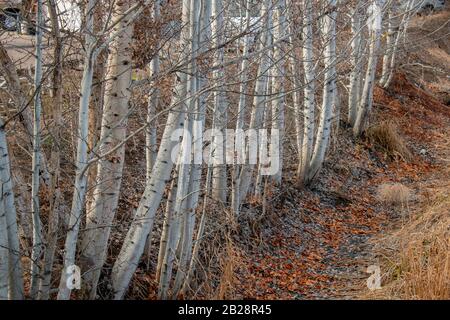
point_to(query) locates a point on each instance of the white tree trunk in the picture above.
(167, 224)
(356, 63)
(236, 182)
(134, 243)
(8, 215)
(329, 92)
(196, 168)
(109, 169)
(219, 178)
(257, 115)
(36, 220)
(395, 32)
(55, 194)
(366, 102)
(309, 94)
(182, 236)
(153, 102)
(79, 192)
(4, 252)
(280, 27)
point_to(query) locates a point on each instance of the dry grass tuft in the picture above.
(385, 136)
(394, 194)
(417, 257)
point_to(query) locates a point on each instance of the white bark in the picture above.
(141, 227)
(219, 178)
(8, 215)
(280, 27)
(36, 220)
(389, 45)
(109, 169)
(4, 252)
(309, 94)
(257, 115)
(153, 102)
(79, 193)
(236, 182)
(55, 194)
(366, 102)
(196, 168)
(329, 92)
(394, 34)
(182, 235)
(356, 64)
(167, 224)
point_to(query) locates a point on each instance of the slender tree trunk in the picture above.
(153, 101)
(181, 209)
(257, 115)
(97, 100)
(8, 215)
(134, 243)
(79, 193)
(219, 178)
(168, 222)
(55, 195)
(109, 169)
(329, 92)
(151, 148)
(279, 83)
(356, 62)
(4, 252)
(395, 33)
(366, 102)
(389, 45)
(203, 33)
(36, 221)
(236, 182)
(309, 95)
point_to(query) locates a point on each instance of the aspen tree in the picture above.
(309, 94)
(280, 27)
(356, 63)
(12, 267)
(180, 236)
(236, 182)
(329, 91)
(134, 243)
(4, 251)
(153, 102)
(55, 194)
(203, 33)
(79, 193)
(366, 101)
(257, 114)
(113, 132)
(219, 177)
(394, 34)
(36, 220)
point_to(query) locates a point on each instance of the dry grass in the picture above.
(386, 137)
(416, 258)
(394, 194)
